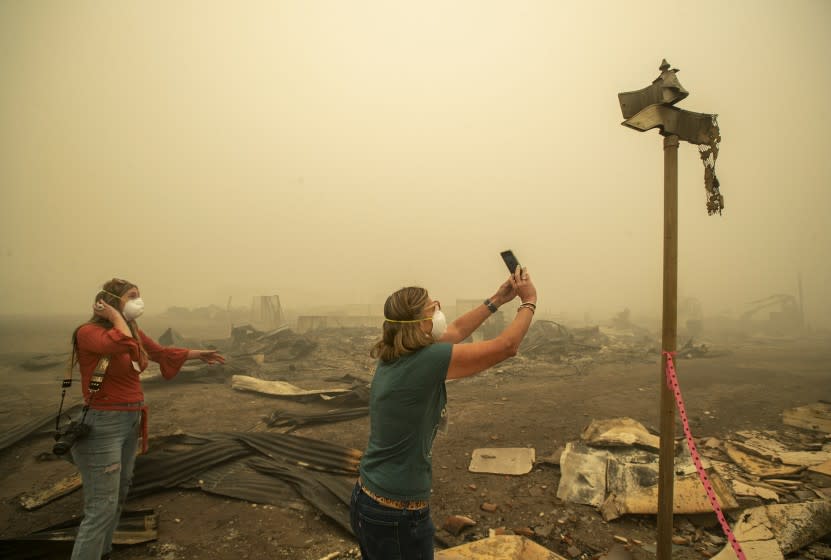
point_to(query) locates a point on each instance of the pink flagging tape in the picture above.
(672, 383)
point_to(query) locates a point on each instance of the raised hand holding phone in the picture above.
(520, 279)
(510, 260)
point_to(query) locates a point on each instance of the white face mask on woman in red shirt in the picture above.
(133, 309)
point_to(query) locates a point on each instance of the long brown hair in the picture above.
(111, 293)
(399, 339)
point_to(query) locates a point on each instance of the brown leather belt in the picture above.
(395, 504)
(117, 405)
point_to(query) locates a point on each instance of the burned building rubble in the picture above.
(325, 374)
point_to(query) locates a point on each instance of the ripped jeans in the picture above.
(106, 458)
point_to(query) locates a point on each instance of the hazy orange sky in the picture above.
(335, 151)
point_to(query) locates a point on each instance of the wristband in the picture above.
(489, 304)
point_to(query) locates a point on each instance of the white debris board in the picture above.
(502, 460)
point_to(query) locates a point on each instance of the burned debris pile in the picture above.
(554, 342)
(775, 485)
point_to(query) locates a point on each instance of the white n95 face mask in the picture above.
(439, 324)
(133, 309)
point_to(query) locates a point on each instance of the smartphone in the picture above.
(510, 260)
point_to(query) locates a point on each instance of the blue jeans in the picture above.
(106, 458)
(391, 534)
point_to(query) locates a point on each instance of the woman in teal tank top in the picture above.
(418, 351)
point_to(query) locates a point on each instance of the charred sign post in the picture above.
(645, 109)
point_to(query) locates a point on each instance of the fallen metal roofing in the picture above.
(185, 457)
(134, 527)
(260, 467)
(42, 424)
(295, 420)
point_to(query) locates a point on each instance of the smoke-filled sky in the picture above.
(332, 152)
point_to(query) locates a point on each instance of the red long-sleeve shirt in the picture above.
(121, 382)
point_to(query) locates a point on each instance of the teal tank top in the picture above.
(406, 404)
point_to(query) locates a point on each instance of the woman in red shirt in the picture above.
(106, 456)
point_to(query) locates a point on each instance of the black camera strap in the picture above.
(95, 383)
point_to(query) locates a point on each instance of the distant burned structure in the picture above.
(306, 323)
(776, 313)
(350, 315)
(266, 312)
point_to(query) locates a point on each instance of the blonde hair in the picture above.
(399, 339)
